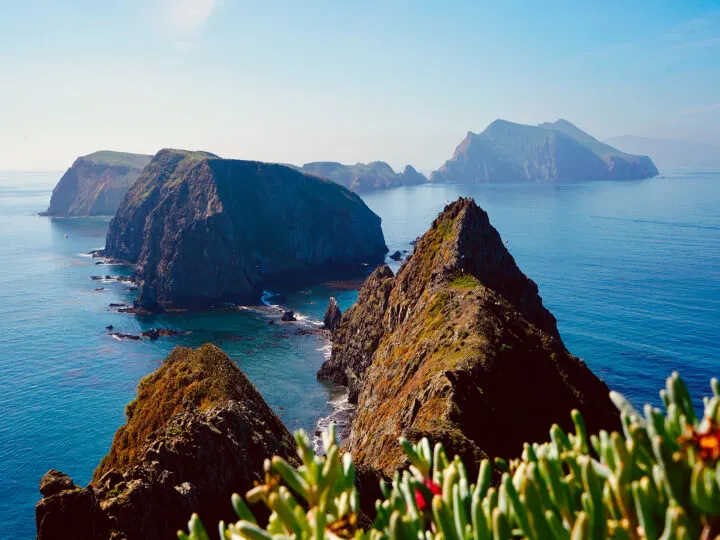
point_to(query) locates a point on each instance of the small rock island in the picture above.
(203, 230)
(96, 184)
(364, 177)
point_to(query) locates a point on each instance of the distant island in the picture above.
(550, 152)
(363, 177)
(95, 184)
(669, 154)
(204, 230)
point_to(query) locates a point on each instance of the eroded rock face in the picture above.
(197, 432)
(359, 333)
(95, 184)
(458, 348)
(204, 230)
(333, 315)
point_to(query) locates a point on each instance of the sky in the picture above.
(338, 80)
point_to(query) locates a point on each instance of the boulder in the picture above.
(288, 316)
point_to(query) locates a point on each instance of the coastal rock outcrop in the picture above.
(363, 177)
(197, 432)
(551, 152)
(95, 184)
(204, 230)
(459, 348)
(333, 315)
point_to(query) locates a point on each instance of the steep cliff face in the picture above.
(95, 184)
(459, 348)
(203, 229)
(550, 152)
(363, 177)
(197, 432)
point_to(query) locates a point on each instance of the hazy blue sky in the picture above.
(297, 81)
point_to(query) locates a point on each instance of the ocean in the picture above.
(630, 269)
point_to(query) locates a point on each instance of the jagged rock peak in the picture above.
(197, 432)
(462, 244)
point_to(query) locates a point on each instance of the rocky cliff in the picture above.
(363, 177)
(197, 432)
(95, 184)
(550, 152)
(458, 347)
(203, 229)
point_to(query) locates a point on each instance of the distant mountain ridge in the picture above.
(363, 177)
(96, 184)
(550, 152)
(669, 154)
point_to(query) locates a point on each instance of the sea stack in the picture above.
(197, 432)
(96, 184)
(507, 152)
(459, 348)
(204, 230)
(333, 315)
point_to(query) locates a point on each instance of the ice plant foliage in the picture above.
(658, 479)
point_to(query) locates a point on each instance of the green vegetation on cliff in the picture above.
(659, 478)
(189, 378)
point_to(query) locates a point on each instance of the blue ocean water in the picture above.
(631, 270)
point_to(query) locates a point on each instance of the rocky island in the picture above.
(457, 347)
(197, 432)
(363, 177)
(95, 184)
(551, 152)
(202, 230)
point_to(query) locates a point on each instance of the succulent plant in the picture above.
(658, 479)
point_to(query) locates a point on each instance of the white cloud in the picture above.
(187, 16)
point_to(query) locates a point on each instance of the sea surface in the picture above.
(631, 270)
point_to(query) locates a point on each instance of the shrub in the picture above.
(659, 478)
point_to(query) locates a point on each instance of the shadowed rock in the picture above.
(204, 230)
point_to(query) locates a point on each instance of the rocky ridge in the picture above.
(203, 230)
(197, 432)
(96, 184)
(363, 177)
(457, 347)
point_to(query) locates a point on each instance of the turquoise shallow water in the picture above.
(631, 271)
